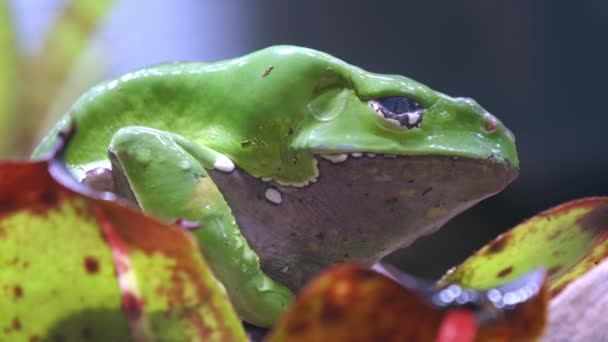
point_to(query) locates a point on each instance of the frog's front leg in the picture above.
(166, 176)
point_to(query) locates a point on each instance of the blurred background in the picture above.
(540, 66)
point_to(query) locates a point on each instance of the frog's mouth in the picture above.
(362, 207)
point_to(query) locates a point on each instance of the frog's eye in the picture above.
(398, 110)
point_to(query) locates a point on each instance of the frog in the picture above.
(289, 159)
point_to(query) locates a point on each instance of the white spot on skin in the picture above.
(295, 184)
(371, 155)
(356, 154)
(285, 269)
(223, 163)
(335, 158)
(390, 156)
(273, 196)
(315, 169)
(266, 179)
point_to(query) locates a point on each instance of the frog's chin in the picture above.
(361, 208)
(341, 157)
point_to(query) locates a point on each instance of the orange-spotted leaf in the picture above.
(75, 267)
(353, 303)
(567, 240)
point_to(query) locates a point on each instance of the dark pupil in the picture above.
(399, 104)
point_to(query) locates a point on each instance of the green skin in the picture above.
(269, 113)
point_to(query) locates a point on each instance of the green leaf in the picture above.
(77, 267)
(9, 84)
(567, 240)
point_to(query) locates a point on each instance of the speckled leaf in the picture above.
(350, 302)
(568, 240)
(74, 267)
(353, 303)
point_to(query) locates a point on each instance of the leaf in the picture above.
(568, 240)
(9, 83)
(578, 313)
(350, 302)
(353, 303)
(524, 321)
(74, 267)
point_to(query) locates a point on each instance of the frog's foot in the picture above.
(99, 179)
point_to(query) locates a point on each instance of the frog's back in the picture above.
(165, 97)
(196, 100)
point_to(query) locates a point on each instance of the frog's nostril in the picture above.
(490, 122)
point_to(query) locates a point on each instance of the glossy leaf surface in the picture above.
(567, 240)
(74, 267)
(352, 303)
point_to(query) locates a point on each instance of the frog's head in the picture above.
(394, 115)
(351, 111)
(304, 103)
(368, 163)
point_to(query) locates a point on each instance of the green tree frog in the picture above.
(289, 158)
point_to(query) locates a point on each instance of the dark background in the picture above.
(540, 66)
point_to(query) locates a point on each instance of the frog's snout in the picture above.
(490, 123)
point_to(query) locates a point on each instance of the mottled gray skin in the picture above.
(358, 210)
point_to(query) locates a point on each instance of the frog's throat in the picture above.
(359, 210)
